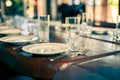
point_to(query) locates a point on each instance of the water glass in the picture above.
(118, 22)
(116, 31)
(86, 25)
(72, 38)
(43, 30)
(30, 28)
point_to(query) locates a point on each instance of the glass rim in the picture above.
(67, 19)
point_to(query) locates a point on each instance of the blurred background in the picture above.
(103, 12)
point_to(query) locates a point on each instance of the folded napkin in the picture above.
(100, 33)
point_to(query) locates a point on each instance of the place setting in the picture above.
(15, 38)
(45, 50)
(35, 44)
(17, 42)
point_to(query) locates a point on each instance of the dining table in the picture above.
(99, 62)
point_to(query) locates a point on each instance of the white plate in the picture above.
(10, 31)
(18, 39)
(46, 49)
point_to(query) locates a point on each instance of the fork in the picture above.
(19, 46)
(82, 53)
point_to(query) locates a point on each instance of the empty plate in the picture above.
(46, 49)
(19, 39)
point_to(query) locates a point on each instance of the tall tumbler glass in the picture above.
(72, 31)
(118, 22)
(116, 32)
(86, 25)
(43, 30)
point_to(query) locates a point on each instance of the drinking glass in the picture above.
(86, 25)
(10, 21)
(118, 22)
(30, 29)
(116, 31)
(43, 30)
(19, 21)
(72, 30)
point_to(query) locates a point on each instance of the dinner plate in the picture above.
(18, 39)
(10, 31)
(46, 49)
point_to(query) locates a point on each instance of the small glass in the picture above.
(30, 29)
(43, 30)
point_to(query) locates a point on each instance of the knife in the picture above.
(86, 58)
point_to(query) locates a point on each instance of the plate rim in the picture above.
(1, 39)
(18, 32)
(48, 54)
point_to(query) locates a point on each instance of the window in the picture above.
(104, 12)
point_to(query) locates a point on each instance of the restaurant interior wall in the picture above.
(102, 11)
(0, 13)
